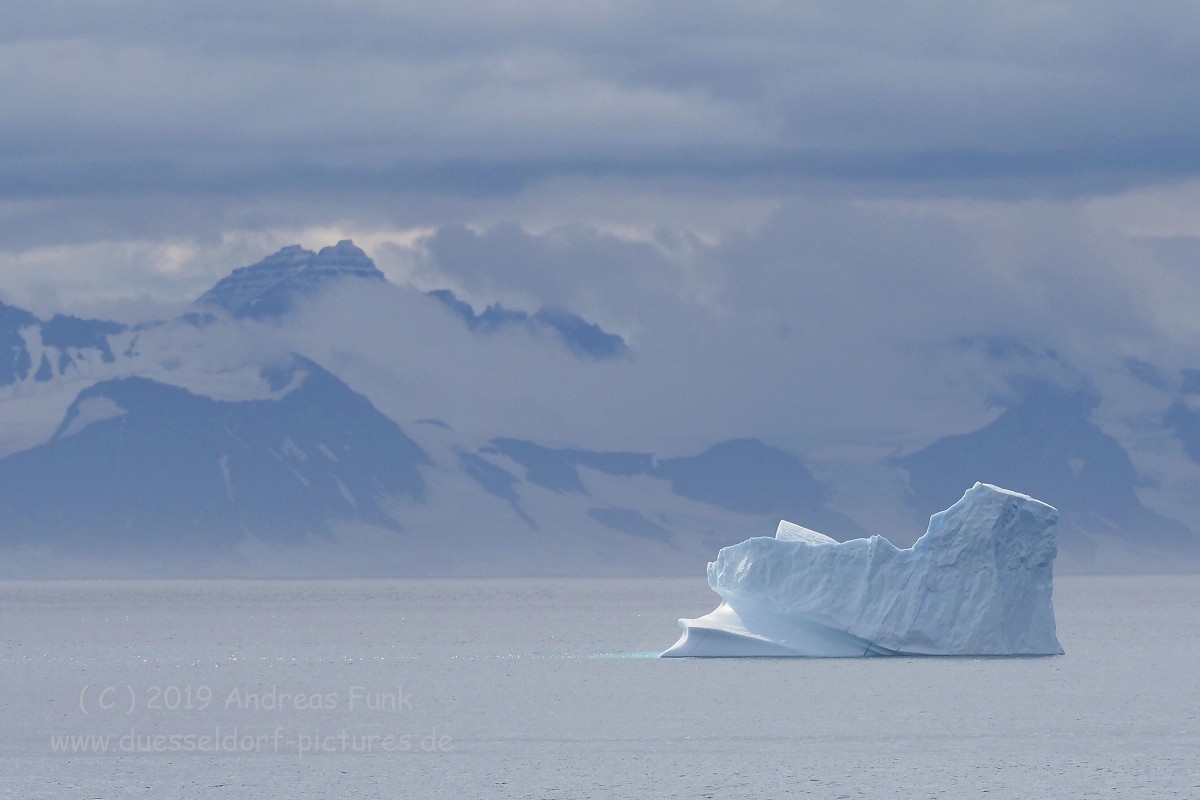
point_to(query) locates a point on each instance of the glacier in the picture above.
(978, 582)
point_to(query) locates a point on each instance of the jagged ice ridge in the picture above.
(978, 582)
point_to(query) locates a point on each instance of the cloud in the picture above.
(148, 125)
(784, 209)
(595, 273)
(468, 99)
(836, 321)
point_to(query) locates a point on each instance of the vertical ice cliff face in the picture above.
(978, 582)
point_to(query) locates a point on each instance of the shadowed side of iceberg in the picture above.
(978, 582)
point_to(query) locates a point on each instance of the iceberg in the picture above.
(978, 582)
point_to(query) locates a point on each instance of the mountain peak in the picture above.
(270, 287)
(585, 339)
(345, 258)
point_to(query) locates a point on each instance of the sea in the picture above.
(552, 689)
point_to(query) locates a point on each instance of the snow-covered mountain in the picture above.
(175, 481)
(138, 463)
(1047, 440)
(36, 349)
(283, 427)
(272, 287)
(583, 337)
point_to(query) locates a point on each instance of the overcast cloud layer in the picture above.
(474, 98)
(824, 192)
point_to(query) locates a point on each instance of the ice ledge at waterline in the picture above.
(978, 582)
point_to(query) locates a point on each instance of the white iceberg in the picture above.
(978, 582)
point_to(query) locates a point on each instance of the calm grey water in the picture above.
(545, 689)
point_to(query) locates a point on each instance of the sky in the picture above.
(815, 203)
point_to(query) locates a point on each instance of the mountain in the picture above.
(272, 286)
(744, 477)
(72, 336)
(1184, 422)
(152, 469)
(57, 345)
(139, 470)
(748, 476)
(584, 338)
(186, 443)
(1047, 446)
(229, 441)
(15, 361)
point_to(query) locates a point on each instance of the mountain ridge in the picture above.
(191, 437)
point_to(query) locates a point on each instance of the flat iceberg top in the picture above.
(978, 582)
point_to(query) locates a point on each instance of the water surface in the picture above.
(548, 688)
